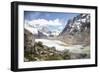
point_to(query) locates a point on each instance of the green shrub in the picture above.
(66, 55)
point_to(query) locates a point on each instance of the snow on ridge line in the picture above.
(35, 30)
(32, 30)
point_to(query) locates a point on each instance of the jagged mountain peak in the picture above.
(77, 24)
(77, 30)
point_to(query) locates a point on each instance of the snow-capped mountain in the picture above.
(77, 30)
(30, 28)
(77, 24)
(40, 31)
(35, 31)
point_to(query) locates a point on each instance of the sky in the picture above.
(53, 21)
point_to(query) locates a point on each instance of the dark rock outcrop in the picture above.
(29, 40)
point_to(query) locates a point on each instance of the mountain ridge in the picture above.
(77, 30)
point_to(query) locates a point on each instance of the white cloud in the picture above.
(44, 22)
(54, 22)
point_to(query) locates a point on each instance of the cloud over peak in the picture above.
(44, 22)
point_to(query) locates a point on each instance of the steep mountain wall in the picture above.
(77, 30)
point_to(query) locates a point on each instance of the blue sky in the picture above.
(55, 20)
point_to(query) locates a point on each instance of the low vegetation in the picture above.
(40, 52)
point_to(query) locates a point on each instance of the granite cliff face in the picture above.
(77, 30)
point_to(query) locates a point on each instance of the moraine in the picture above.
(60, 46)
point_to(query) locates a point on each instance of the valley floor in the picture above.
(57, 50)
(61, 46)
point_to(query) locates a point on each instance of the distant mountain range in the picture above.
(76, 31)
(40, 32)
